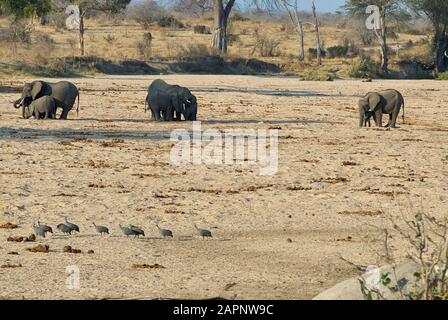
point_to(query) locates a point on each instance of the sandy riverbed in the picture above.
(111, 165)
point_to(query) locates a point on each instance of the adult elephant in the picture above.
(375, 104)
(63, 92)
(165, 100)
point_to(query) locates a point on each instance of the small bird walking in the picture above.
(46, 228)
(203, 232)
(165, 233)
(138, 231)
(101, 229)
(40, 232)
(64, 229)
(72, 226)
(127, 231)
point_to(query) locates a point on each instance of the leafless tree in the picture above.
(198, 7)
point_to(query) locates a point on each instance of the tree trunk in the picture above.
(301, 42)
(221, 17)
(383, 41)
(81, 32)
(316, 26)
(441, 47)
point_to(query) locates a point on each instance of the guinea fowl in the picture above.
(138, 231)
(127, 231)
(64, 229)
(101, 229)
(39, 231)
(203, 232)
(46, 228)
(72, 226)
(165, 232)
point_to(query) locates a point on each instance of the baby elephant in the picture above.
(43, 107)
(374, 104)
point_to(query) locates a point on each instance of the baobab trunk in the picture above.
(221, 17)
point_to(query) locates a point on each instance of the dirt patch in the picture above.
(362, 213)
(9, 225)
(147, 266)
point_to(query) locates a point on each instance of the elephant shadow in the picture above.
(102, 134)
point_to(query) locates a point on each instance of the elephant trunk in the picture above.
(361, 118)
(27, 112)
(18, 103)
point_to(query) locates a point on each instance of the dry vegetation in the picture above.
(120, 40)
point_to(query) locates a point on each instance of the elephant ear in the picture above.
(374, 101)
(37, 89)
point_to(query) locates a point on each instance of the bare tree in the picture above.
(292, 8)
(85, 6)
(318, 43)
(390, 12)
(199, 7)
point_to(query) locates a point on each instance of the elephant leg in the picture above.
(394, 116)
(379, 118)
(169, 116)
(157, 114)
(46, 115)
(64, 114)
(390, 121)
(153, 116)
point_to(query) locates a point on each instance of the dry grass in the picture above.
(119, 40)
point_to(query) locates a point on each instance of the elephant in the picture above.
(45, 105)
(63, 92)
(166, 100)
(374, 104)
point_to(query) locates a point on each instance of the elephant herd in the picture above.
(170, 102)
(42, 99)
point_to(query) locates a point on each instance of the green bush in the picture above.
(443, 76)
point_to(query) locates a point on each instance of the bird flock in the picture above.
(67, 228)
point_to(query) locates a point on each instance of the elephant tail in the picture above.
(146, 103)
(403, 113)
(77, 110)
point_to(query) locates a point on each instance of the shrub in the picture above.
(145, 46)
(237, 16)
(363, 68)
(337, 51)
(199, 29)
(145, 13)
(195, 50)
(312, 53)
(443, 76)
(169, 22)
(265, 45)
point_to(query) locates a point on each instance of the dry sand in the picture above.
(75, 168)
